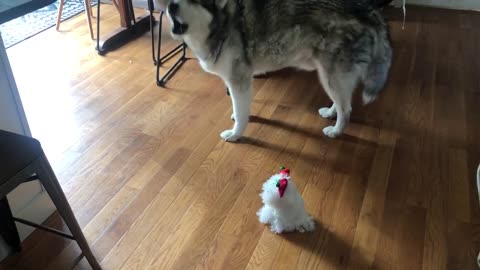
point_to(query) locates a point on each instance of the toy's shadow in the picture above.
(324, 245)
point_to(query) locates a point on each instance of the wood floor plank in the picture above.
(109, 138)
(104, 193)
(164, 200)
(460, 233)
(326, 184)
(191, 141)
(86, 191)
(105, 133)
(192, 253)
(286, 254)
(395, 254)
(367, 231)
(334, 245)
(102, 196)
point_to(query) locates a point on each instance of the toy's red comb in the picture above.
(284, 170)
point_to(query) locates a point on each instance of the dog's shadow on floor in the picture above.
(305, 132)
(281, 149)
(324, 245)
(307, 156)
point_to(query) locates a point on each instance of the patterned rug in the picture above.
(24, 27)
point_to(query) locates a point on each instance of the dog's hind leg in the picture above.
(339, 86)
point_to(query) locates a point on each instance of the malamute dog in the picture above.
(345, 41)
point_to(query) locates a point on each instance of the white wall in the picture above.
(28, 201)
(453, 4)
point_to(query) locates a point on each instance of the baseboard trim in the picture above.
(453, 6)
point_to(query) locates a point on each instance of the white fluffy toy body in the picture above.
(283, 207)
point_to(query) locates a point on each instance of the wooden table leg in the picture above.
(121, 6)
(59, 15)
(88, 10)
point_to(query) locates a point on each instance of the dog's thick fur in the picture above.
(344, 41)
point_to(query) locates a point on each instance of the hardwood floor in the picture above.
(154, 187)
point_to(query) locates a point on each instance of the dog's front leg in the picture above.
(241, 95)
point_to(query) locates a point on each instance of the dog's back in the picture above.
(282, 34)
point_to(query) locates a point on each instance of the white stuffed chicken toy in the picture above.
(283, 205)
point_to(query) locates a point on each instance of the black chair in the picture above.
(157, 59)
(22, 160)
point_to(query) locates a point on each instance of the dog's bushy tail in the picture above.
(375, 80)
(377, 71)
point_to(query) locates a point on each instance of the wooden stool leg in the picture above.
(88, 10)
(50, 183)
(152, 33)
(90, 7)
(59, 16)
(8, 230)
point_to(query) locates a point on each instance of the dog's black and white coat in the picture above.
(345, 41)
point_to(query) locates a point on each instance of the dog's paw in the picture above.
(327, 113)
(230, 136)
(232, 117)
(331, 132)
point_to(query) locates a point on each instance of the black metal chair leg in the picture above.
(161, 59)
(131, 11)
(178, 63)
(50, 183)
(159, 45)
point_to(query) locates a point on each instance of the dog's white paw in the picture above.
(229, 136)
(331, 132)
(327, 113)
